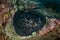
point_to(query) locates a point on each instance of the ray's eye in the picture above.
(27, 22)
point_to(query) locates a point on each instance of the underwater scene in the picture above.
(29, 19)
